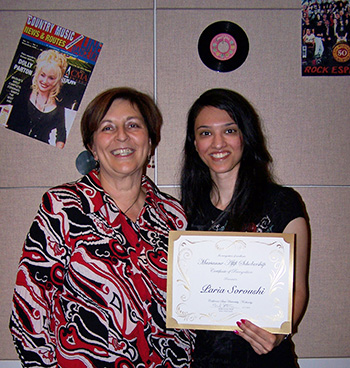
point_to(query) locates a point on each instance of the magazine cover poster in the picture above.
(325, 38)
(46, 82)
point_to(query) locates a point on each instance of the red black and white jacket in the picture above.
(91, 283)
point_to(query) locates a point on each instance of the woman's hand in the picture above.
(260, 340)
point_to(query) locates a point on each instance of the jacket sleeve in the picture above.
(39, 281)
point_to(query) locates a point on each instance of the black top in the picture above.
(26, 119)
(281, 205)
(42, 123)
(225, 349)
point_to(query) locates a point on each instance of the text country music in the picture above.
(69, 41)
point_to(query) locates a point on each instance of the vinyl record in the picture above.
(223, 46)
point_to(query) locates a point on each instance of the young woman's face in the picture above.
(47, 78)
(218, 141)
(121, 142)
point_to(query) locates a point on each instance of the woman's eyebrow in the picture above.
(209, 126)
(111, 120)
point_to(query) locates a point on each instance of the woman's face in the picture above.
(218, 141)
(47, 78)
(121, 142)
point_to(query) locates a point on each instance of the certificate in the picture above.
(218, 278)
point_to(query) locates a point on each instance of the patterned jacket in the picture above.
(91, 284)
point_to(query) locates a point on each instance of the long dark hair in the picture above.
(254, 172)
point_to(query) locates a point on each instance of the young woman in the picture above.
(227, 185)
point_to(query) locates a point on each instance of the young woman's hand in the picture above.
(260, 340)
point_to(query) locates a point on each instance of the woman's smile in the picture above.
(219, 155)
(123, 152)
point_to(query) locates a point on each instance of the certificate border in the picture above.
(285, 328)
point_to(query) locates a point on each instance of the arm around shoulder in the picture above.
(300, 227)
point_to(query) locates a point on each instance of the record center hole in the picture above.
(223, 47)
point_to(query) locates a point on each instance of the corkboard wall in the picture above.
(153, 47)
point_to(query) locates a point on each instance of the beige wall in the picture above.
(306, 120)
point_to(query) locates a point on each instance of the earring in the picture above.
(150, 160)
(97, 162)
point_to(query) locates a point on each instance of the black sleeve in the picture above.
(287, 206)
(61, 126)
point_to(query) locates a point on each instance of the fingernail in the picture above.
(239, 324)
(243, 320)
(236, 332)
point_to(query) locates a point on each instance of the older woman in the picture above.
(91, 284)
(227, 185)
(37, 112)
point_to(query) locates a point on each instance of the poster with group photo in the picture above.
(48, 76)
(325, 37)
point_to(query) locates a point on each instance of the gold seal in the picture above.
(341, 52)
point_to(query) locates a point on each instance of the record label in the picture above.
(223, 46)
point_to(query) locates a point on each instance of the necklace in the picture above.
(133, 202)
(36, 101)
